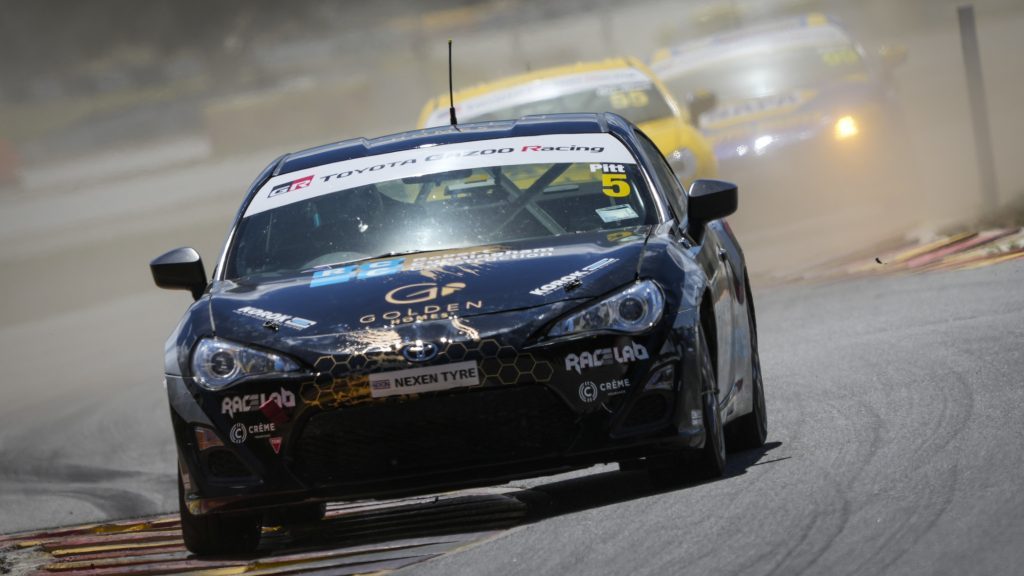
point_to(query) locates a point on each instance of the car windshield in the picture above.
(639, 102)
(766, 72)
(439, 198)
(626, 91)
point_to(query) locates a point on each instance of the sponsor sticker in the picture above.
(426, 379)
(275, 317)
(240, 431)
(626, 354)
(424, 313)
(290, 186)
(433, 261)
(573, 277)
(365, 171)
(622, 236)
(275, 444)
(754, 108)
(232, 405)
(588, 392)
(615, 386)
(461, 257)
(616, 213)
(422, 292)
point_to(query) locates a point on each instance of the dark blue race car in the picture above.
(454, 307)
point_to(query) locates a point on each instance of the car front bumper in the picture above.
(530, 416)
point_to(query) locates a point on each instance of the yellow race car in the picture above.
(621, 85)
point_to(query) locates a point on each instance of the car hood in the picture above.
(749, 126)
(412, 290)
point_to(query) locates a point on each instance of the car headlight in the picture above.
(217, 363)
(684, 163)
(632, 310)
(846, 127)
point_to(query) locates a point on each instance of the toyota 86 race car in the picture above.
(624, 86)
(412, 314)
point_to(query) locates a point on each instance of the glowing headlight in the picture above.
(683, 163)
(632, 310)
(846, 127)
(217, 363)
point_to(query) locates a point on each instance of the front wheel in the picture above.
(751, 430)
(712, 456)
(710, 461)
(214, 534)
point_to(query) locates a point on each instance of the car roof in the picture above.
(576, 123)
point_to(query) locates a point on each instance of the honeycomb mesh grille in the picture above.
(436, 433)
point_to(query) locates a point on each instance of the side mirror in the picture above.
(700, 103)
(710, 200)
(180, 269)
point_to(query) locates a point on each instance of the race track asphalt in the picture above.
(896, 446)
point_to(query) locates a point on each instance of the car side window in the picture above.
(675, 192)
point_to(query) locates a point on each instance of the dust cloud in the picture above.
(130, 128)
(114, 91)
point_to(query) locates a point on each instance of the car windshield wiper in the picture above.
(364, 259)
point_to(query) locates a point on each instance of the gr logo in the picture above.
(423, 292)
(238, 433)
(290, 186)
(588, 392)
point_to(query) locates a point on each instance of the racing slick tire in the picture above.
(215, 534)
(751, 430)
(710, 461)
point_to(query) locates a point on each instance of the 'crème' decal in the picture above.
(589, 391)
(551, 148)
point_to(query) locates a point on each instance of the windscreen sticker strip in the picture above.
(543, 89)
(555, 148)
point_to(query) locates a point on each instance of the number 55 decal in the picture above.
(615, 185)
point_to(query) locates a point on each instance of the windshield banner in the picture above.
(548, 149)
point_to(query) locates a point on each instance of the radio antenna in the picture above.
(451, 92)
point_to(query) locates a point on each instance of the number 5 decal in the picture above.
(615, 185)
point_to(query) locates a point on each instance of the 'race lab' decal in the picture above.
(626, 354)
